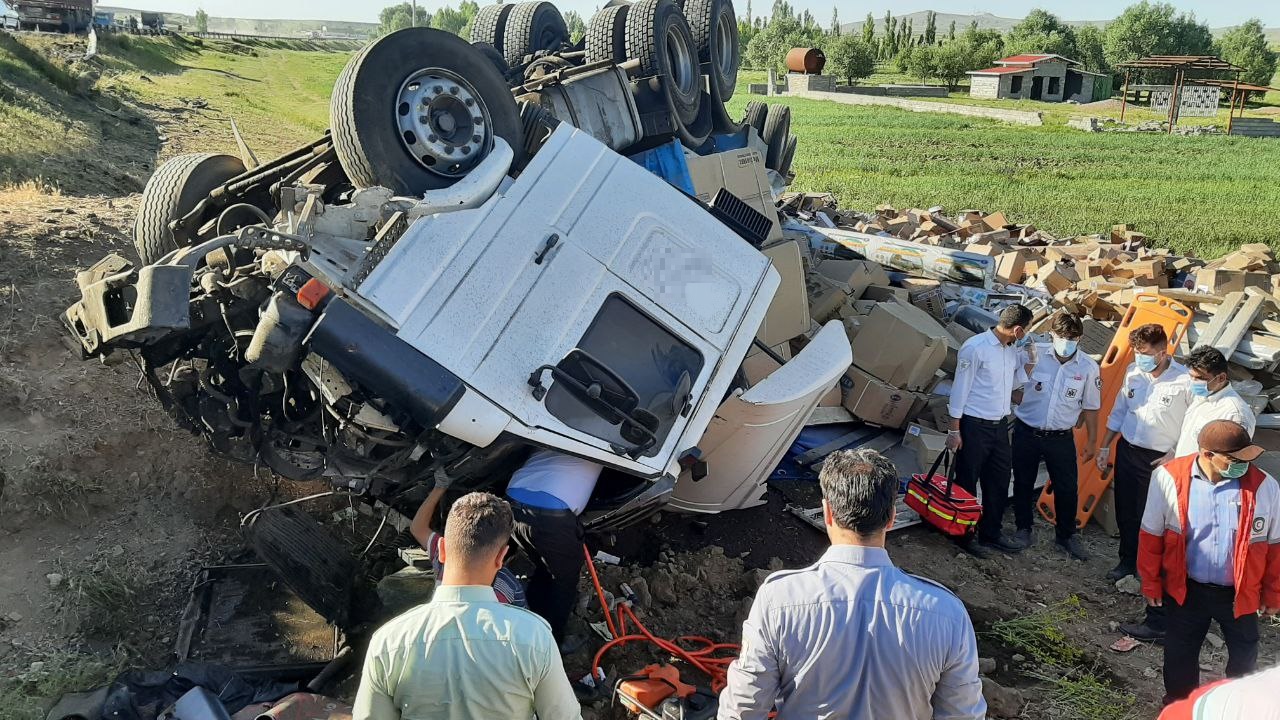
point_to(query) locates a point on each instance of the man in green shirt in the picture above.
(465, 655)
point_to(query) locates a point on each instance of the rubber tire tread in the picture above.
(777, 128)
(643, 44)
(702, 16)
(412, 178)
(607, 34)
(788, 156)
(755, 116)
(313, 563)
(490, 23)
(173, 191)
(518, 38)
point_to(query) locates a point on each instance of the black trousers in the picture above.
(1186, 627)
(1133, 477)
(985, 456)
(552, 540)
(1058, 451)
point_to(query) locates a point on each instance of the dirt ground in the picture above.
(107, 509)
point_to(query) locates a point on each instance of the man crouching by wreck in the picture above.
(465, 655)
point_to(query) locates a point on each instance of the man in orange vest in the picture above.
(1209, 549)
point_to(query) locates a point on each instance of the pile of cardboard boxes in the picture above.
(925, 282)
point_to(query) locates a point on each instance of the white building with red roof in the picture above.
(1047, 77)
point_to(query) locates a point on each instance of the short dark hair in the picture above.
(478, 522)
(861, 487)
(1015, 316)
(1150, 335)
(1066, 325)
(1207, 360)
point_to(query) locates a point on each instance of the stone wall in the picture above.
(800, 82)
(986, 87)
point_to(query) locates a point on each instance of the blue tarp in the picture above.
(667, 162)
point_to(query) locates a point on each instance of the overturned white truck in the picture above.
(361, 312)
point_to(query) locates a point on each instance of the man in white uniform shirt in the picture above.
(1147, 416)
(989, 371)
(1065, 388)
(1213, 399)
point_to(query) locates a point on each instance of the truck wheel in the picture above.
(755, 116)
(658, 36)
(172, 192)
(490, 24)
(715, 32)
(494, 56)
(777, 129)
(533, 26)
(788, 156)
(693, 135)
(607, 34)
(419, 109)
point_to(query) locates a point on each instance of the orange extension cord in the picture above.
(704, 657)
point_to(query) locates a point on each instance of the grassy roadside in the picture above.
(1194, 194)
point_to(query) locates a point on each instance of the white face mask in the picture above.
(1064, 347)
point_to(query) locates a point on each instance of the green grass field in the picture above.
(1205, 195)
(1194, 194)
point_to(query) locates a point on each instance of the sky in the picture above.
(1217, 13)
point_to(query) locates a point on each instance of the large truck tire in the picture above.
(607, 34)
(755, 116)
(777, 130)
(658, 36)
(490, 24)
(418, 110)
(310, 560)
(173, 191)
(715, 32)
(788, 156)
(533, 26)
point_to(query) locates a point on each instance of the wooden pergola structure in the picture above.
(1239, 91)
(1180, 65)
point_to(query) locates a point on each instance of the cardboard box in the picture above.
(1221, 282)
(901, 345)
(1054, 278)
(742, 173)
(985, 249)
(1011, 266)
(855, 276)
(927, 442)
(926, 295)
(882, 293)
(874, 401)
(788, 314)
(825, 298)
(758, 365)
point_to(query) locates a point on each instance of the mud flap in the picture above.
(310, 561)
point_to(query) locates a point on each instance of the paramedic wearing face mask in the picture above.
(1213, 399)
(1147, 416)
(1064, 390)
(1210, 551)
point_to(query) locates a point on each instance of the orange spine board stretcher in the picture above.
(1175, 318)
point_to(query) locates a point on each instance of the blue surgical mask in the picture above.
(1146, 363)
(1200, 388)
(1065, 347)
(1022, 341)
(1235, 470)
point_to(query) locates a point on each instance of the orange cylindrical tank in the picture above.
(806, 60)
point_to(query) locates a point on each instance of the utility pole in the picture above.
(413, 17)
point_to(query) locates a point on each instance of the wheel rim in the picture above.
(443, 123)
(680, 60)
(724, 47)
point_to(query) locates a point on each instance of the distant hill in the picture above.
(994, 22)
(250, 26)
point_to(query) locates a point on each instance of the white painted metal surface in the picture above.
(466, 287)
(752, 430)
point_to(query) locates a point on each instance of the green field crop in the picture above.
(1206, 194)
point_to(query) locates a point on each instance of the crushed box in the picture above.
(874, 401)
(901, 345)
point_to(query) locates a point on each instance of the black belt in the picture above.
(1139, 447)
(984, 421)
(1038, 432)
(1212, 586)
(553, 512)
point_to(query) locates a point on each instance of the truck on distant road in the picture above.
(66, 16)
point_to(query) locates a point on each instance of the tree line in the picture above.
(928, 53)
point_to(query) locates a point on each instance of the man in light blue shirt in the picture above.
(464, 655)
(852, 636)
